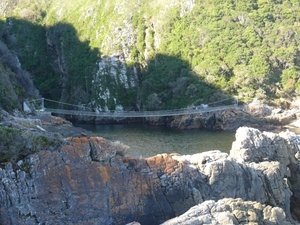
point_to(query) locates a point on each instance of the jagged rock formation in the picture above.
(275, 156)
(89, 181)
(231, 211)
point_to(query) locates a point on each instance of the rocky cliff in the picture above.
(88, 180)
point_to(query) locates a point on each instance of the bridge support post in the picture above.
(236, 101)
(43, 104)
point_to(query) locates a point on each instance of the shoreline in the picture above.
(228, 120)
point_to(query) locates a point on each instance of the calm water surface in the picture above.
(146, 141)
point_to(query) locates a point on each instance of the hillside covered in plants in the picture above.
(149, 55)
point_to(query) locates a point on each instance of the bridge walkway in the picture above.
(87, 111)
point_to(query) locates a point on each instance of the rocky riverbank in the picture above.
(82, 179)
(255, 115)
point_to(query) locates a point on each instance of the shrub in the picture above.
(121, 149)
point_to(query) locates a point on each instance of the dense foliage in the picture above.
(177, 53)
(245, 47)
(15, 83)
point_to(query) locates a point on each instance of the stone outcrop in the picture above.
(251, 146)
(21, 136)
(231, 211)
(87, 180)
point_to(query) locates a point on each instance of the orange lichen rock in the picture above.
(77, 147)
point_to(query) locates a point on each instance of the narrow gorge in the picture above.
(117, 55)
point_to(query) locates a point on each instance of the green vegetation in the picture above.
(42, 142)
(248, 48)
(175, 54)
(25, 167)
(10, 90)
(7, 149)
(16, 144)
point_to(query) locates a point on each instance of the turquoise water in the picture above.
(146, 141)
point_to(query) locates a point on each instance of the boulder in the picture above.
(231, 211)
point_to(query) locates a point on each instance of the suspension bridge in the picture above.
(82, 110)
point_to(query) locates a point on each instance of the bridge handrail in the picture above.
(138, 113)
(88, 111)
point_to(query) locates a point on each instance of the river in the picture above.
(146, 141)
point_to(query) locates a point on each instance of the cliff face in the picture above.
(89, 181)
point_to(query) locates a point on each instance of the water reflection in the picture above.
(146, 141)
